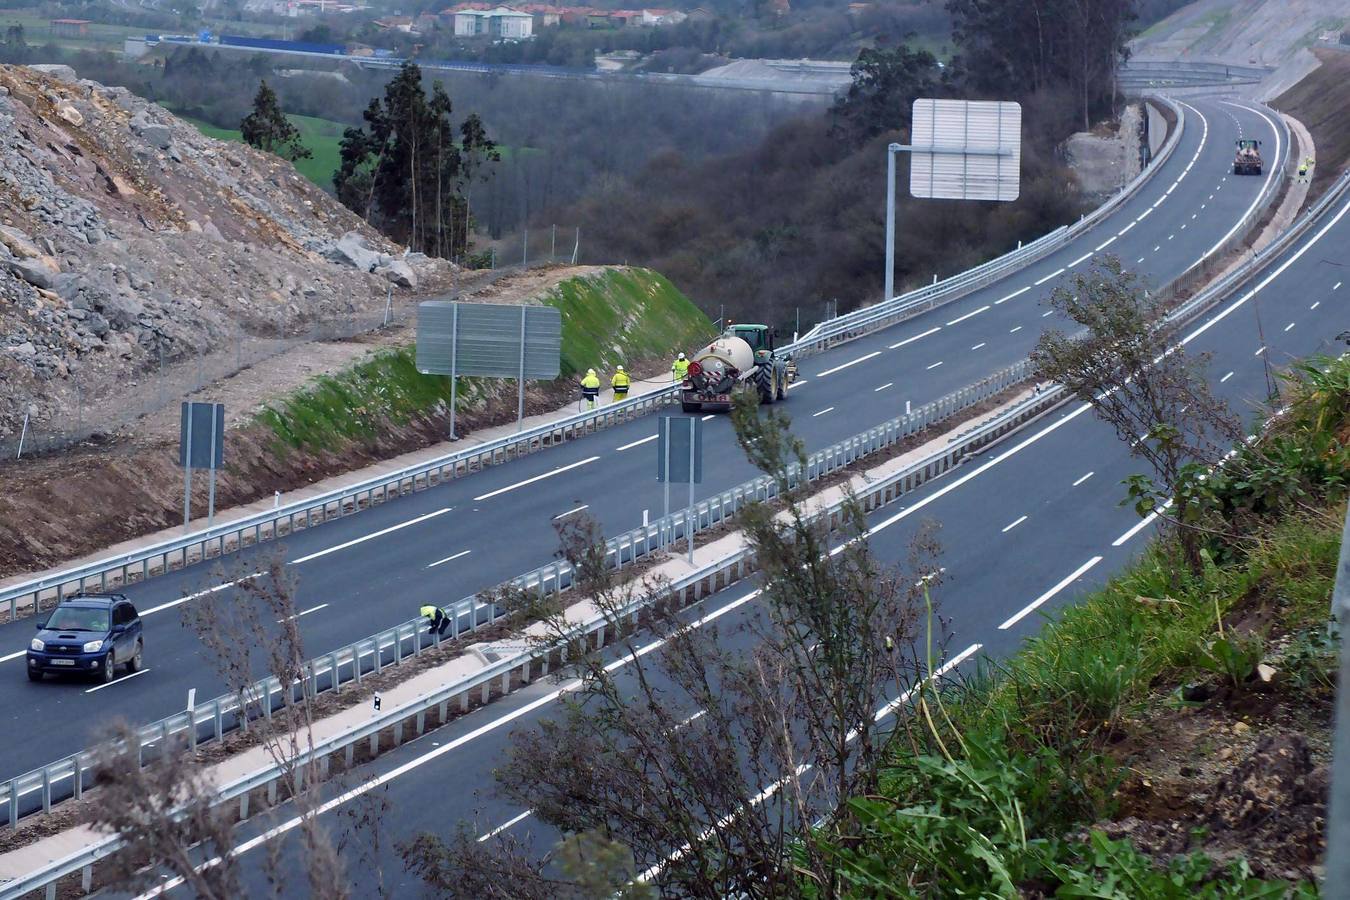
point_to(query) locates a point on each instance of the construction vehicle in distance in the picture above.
(741, 358)
(1247, 161)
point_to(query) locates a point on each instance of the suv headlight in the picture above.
(93, 646)
(36, 644)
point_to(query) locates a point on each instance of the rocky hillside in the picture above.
(130, 240)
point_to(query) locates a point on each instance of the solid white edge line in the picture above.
(852, 362)
(1035, 604)
(549, 474)
(374, 534)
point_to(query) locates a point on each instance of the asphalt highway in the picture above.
(370, 571)
(1027, 527)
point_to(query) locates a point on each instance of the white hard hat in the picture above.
(618, 368)
(590, 371)
(681, 356)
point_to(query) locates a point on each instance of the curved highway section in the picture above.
(370, 571)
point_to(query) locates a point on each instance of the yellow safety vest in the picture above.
(591, 382)
(620, 380)
(680, 368)
(429, 611)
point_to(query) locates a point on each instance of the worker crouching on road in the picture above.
(679, 370)
(620, 384)
(590, 388)
(437, 617)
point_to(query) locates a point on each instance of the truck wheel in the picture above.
(691, 407)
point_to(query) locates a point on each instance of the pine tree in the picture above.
(268, 129)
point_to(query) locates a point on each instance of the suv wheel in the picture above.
(34, 674)
(105, 674)
(134, 664)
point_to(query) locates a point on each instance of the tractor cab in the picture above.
(1248, 144)
(759, 337)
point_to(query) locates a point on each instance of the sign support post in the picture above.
(187, 476)
(689, 516)
(520, 379)
(211, 491)
(454, 337)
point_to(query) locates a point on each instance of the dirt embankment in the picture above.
(130, 242)
(325, 409)
(1321, 101)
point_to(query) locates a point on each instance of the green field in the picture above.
(320, 136)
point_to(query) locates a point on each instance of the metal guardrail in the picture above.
(508, 674)
(872, 318)
(28, 596)
(705, 580)
(67, 778)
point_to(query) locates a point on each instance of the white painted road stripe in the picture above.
(563, 515)
(975, 312)
(1138, 527)
(505, 825)
(521, 484)
(305, 612)
(638, 443)
(375, 534)
(1014, 330)
(1225, 378)
(1036, 604)
(936, 364)
(1054, 274)
(706, 418)
(1289, 326)
(1013, 524)
(883, 387)
(118, 681)
(1080, 259)
(1083, 479)
(1315, 305)
(455, 556)
(847, 364)
(978, 346)
(916, 337)
(823, 411)
(1104, 244)
(1016, 293)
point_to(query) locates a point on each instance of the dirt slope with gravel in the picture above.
(130, 241)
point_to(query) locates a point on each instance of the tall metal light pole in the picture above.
(890, 219)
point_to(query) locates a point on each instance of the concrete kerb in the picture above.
(717, 565)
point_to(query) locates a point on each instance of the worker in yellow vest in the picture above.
(436, 617)
(620, 384)
(680, 369)
(590, 388)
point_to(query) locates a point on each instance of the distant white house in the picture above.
(502, 22)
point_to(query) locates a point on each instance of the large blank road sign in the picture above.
(680, 445)
(201, 435)
(488, 339)
(965, 149)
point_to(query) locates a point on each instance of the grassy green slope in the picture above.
(617, 316)
(320, 136)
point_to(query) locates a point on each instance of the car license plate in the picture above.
(63, 662)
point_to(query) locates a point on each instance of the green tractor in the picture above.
(741, 358)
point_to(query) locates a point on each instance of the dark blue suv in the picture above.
(93, 633)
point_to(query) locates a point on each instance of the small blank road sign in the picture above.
(965, 149)
(201, 435)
